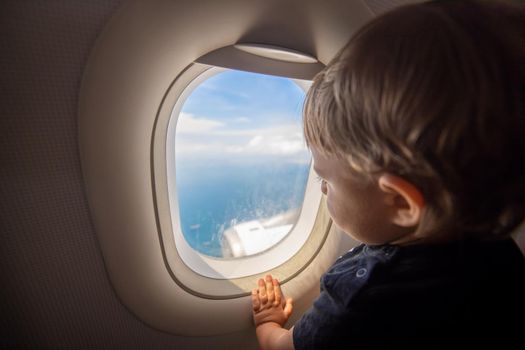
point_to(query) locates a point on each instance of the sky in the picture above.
(242, 116)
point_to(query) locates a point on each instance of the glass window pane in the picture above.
(241, 163)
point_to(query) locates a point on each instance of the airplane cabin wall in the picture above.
(55, 292)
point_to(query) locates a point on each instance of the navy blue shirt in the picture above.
(465, 293)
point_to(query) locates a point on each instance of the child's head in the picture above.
(433, 93)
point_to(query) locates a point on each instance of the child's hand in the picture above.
(269, 304)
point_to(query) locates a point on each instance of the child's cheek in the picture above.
(332, 209)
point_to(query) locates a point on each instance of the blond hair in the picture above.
(433, 93)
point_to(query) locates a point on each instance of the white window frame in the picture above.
(223, 278)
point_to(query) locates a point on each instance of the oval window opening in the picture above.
(241, 163)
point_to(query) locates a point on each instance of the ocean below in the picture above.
(214, 197)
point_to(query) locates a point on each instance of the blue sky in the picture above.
(240, 115)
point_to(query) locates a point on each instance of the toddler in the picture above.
(417, 131)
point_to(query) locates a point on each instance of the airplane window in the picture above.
(241, 164)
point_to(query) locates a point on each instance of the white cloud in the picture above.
(272, 143)
(254, 142)
(202, 137)
(189, 124)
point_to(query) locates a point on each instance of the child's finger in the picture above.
(269, 288)
(262, 291)
(256, 303)
(288, 307)
(277, 292)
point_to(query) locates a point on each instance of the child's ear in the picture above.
(405, 200)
